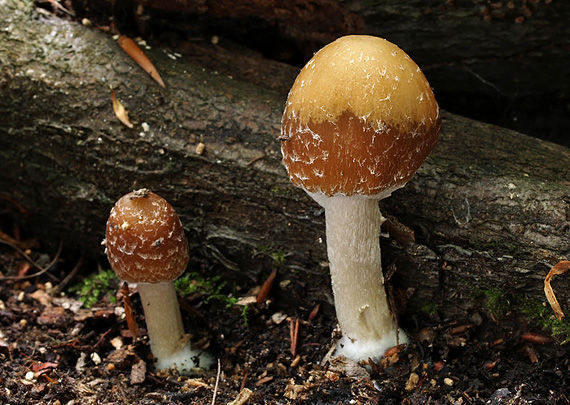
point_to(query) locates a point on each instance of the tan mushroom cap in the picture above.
(360, 118)
(145, 239)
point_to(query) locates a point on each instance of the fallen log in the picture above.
(490, 207)
(494, 61)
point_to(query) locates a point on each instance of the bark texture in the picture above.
(503, 61)
(489, 207)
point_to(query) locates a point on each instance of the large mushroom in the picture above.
(146, 245)
(360, 119)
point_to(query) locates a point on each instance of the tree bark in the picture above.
(503, 62)
(489, 207)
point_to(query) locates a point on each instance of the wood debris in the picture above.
(120, 111)
(559, 268)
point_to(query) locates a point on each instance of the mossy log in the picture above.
(489, 207)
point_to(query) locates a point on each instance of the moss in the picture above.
(94, 288)
(212, 288)
(193, 283)
(543, 316)
(500, 303)
(278, 255)
(430, 308)
(279, 191)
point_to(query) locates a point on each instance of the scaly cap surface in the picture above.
(360, 119)
(145, 240)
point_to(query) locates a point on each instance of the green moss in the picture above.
(193, 283)
(278, 256)
(430, 308)
(279, 191)
(543, 316)
(94, 288)
(212, 288)
(500, 303)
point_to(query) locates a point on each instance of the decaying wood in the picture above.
(505, 61)
(489, 207)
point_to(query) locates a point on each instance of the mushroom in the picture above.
(359, 121)
(146, 245)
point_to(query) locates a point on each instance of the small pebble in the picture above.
(29, 376)
(200, 148)
(278, 317)
(412, 381)
(49, 287)
(117, 342)
(96, 359)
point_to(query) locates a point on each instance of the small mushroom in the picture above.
(359, 121)
(146, 245)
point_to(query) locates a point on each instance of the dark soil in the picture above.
(56, 351)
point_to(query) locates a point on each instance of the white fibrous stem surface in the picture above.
(169, 344)
(353, 247)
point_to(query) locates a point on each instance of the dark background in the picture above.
(503, 62)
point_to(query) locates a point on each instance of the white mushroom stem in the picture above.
(169, 344)
(353, 247)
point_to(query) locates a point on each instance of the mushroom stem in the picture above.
(353, 247)
(169, 344)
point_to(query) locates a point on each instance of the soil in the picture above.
(54, 350)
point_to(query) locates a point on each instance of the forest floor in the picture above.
(64, 339)
(74, 346)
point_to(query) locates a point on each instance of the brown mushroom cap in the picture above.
(145, 239)
(360, 119)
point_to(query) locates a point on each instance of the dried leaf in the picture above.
(120, 111)
(538, 339)
(242, 397)
(559, 268)
(533, 357)
(129, 313)
(53, 316)
(412, 381)
(314, 312)
(138, 55)
(294, 335)
(138, 373)
(43, 367)
(266, 288)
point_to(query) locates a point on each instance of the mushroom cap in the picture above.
(145, 240)
(360, 118)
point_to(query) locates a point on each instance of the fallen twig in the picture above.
(266, 288)
(294, 335)
(59, 288)
(41, 271)
(217, 382)
(129, 313)
(538, 339)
